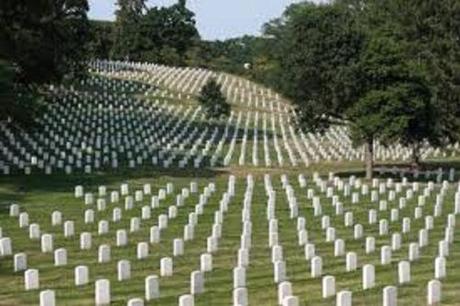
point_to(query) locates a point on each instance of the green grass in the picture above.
(40, 195)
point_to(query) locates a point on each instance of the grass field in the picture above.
(41, 195)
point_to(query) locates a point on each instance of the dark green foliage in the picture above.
(41, 42)
(101, 39)
(318, 45)
(394, 102)
(44, 38)
(431, 29)
(387, 69)
(168, 33)
(162, 35)
(127, 36)
(213, 101)
(17, 102)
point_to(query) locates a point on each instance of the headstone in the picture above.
(47, 243)
(166, 266)
(284, 290)
(395, 241)
(328, 286)
(135, 224)
(316, 266)
(188, 232)
(154, 234)
(124, 270)
(56, 218)
(368, 276)
(240, 297)
(162, 221)
(291, 301)
(439, 267)
(178, 247)
(239, 277)
(413, 251)
(122, 238)
(339, 247)
(34, 231)
(81, 275)
(20, 262)
(196, 282)
(136, 302)
(385, 255)
(279, 269)
(243, 257)
(344, 298)
(14, 210)
(358, 231)
(69, 229)
(104, 253)
(423, 238)
(390, 296)
(47, 298)
(142, 250)
(31, 279)
(85, 241)
(434, 292)
(152, 287)
(443, 248)
(60, 257)
(102, 292)
(206, 262)
(186, 300)
(103, 227)
(212, 244)
(351, 261)
(404, 272)
(370, 245)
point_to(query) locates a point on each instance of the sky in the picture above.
(216, 19)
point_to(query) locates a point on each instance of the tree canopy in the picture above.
(387, 69)
(159, 34)
(41, 42)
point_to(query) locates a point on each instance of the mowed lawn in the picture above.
(39, 196)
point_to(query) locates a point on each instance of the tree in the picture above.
(167, 34)
(42, 41)
(394, 102)
(44, 38)
(162, 35)
(127, 35)
(386, 69)
(430, 29)
(213, 101)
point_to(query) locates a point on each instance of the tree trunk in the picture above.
(369, 158)
(415, 156)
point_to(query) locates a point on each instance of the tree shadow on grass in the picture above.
(60, 182)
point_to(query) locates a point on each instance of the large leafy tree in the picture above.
(127, 35)
(41, 42)
(168, 33)
(387, 69)
(162, 35)
(318, 45)
(43, 38)
(431, 31)
(393, 100)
